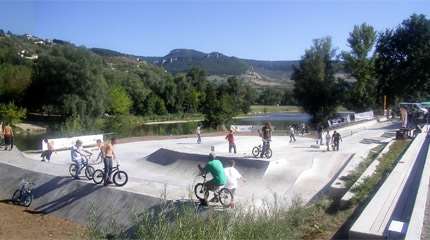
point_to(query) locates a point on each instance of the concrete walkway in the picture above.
(295, 170)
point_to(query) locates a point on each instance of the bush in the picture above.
(11, 113)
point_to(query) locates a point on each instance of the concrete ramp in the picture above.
(184, 161)
(74, 200)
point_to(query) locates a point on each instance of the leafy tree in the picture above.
(315, 85)
(11, 113)
(119, 101)
(14, 80)
(270, 96)
(361, 67)
(403, 60)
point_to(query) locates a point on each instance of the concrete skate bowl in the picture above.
(72, 199)
(174, 162)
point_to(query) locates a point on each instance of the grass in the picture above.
(319, 220)
(274, 109)
(385, 166)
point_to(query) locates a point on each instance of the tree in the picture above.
(361, 67)
(315, 85)
(403, 60)
(119, 101)
(11, 113)
(270, 96)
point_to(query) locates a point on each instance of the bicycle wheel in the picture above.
(200, 191)
(73, 169)
(89, 172)
(16, 196)
(28, 198)
(225, 197)
(268, 153)
(255, 151)
(120, 178)
(98, 176)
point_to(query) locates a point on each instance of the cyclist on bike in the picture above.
(266, 135)
(77, 154)
(216, 169)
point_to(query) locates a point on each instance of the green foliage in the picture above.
(270, 96)
(385, 166)
(218, 108)
(14, 80)
(362, 95)
(119, 101)
(11, 113)
(316, 88)
(403, 60)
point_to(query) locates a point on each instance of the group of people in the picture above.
(106, 154)
(330, 140)
(6, 133)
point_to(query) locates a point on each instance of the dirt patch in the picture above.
(19, 223)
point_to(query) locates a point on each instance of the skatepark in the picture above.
(167, 169)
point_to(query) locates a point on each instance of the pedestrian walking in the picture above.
(336, 138)
(198, 132)
(8, 137)
(231, 143)
(303, 129)
(46, 155)
(292, 134)
(327, 139)
(319, 135)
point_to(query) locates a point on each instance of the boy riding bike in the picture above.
(216, 169)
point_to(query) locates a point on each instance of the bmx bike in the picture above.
(256, 151)
(23, 196)
(221, 194)
(119, 177)
(88, 169)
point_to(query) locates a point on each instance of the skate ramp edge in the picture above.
(166, 157)
(74, 200)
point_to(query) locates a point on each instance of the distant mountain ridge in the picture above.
(219, 66)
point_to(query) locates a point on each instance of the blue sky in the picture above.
(279, 30)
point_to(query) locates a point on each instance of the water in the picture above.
(280, 121)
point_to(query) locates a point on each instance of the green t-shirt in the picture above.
(217, 170)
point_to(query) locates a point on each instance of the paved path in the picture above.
(294, 170)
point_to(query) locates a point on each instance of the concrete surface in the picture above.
(168, 169)
(395, 198)
(417, 227)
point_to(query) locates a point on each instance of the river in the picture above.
(280, 121)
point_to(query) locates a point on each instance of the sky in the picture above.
(263, 30)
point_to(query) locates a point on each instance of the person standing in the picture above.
(303, 129)
(232, 179)
(292, 134)
(231, 143)
(319, 135)
(266, 135)
(47, 153)
(198, 132)
(336, 139)
(100, 147)
(8, 137)
(109, 155)
(327, 139)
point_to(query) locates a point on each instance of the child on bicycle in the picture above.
(232, 179)
(216, 169)
(266, 135)
(77, 153)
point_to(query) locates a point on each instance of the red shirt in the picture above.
(230, 138)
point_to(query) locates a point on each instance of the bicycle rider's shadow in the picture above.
(55, 183)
